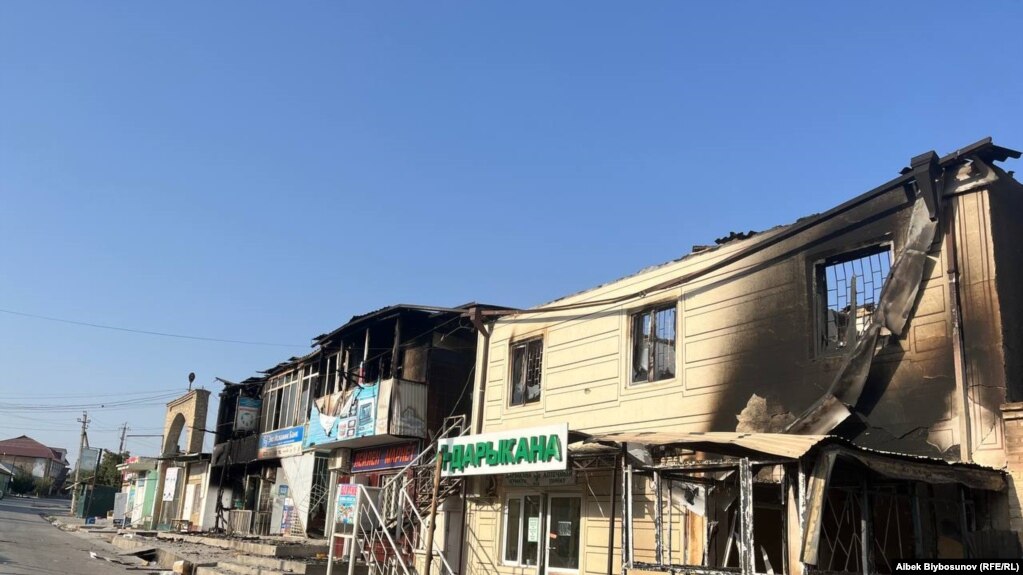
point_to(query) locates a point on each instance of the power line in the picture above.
(68, 395)
(146, 332)
(140, 401)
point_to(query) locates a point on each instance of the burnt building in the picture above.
(357, 409)
(833, 394)
(240, 483)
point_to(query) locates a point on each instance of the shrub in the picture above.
(22, 482)
(42, 485)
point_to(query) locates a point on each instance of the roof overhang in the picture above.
(366, 441)
(795, 447)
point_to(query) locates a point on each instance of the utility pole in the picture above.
(439, 463)
(124, 433)
(78, 468)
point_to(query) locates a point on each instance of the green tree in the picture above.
(22, 482)
(107, 474)
(42, 485)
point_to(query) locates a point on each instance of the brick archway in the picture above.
(186, 414)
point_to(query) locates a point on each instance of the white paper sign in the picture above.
(170, 483)
(533, 533)
(564, 528)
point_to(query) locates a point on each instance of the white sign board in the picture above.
(513, 451)
(170, 483)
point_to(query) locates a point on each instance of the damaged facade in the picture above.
(831, 395)
(880, 335)
(358, 409)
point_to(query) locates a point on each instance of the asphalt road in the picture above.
(30, 545)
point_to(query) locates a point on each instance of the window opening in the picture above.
(850, 288)
(527, 366)
(522, 530)
(653, 344)
(563, 532)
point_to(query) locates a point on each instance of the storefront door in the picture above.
(563, 533)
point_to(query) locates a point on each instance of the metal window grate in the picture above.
(527, 368)
(867, 269)
(653, 341)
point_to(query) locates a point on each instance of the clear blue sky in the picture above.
(263, 171)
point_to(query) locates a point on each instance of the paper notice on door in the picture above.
(564, 528)
(533, 533)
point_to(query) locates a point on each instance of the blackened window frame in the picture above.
(821, 306)
(652, 373)
(524, 345)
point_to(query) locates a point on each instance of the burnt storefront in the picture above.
(878, 340)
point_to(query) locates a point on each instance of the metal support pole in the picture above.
(356, 525)
(918, 526)
(611, 516)
(625, 513)
(658, 520)
(433, 512)
(482, 361)
(746, 516)
(964, 526)
(395, 349)
(785, 509)
(629, 530)
(671, 520)
(365, 358)
(866, 530)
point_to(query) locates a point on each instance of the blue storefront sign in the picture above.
(281, 443)
(351, 415)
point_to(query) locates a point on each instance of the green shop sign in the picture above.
(501, 452)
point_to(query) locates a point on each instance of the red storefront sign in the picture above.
(384, 457)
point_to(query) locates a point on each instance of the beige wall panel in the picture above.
(726, 294)
(493, 413)
(583, 397)
(730, 344)
(581, 373)
(499, 349)
(591, 326)
(585, 349)
(930, 336)
(709, 375)
(487, 533)
(932, 300)
(496, 378)
(743, 311)
(976, 256)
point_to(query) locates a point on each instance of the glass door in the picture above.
(563, 533)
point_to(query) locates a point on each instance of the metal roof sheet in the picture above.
(25, 446)
(778, 444)
(892, 464)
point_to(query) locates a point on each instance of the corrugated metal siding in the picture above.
(408, 409)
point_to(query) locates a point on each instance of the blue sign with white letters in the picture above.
(287, 441)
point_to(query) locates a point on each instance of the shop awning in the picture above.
(891, 464)
(775, 444)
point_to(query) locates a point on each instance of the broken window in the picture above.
(653, 344)
(281, 402)
(310, 382)
(527, 364)
(849, 287)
